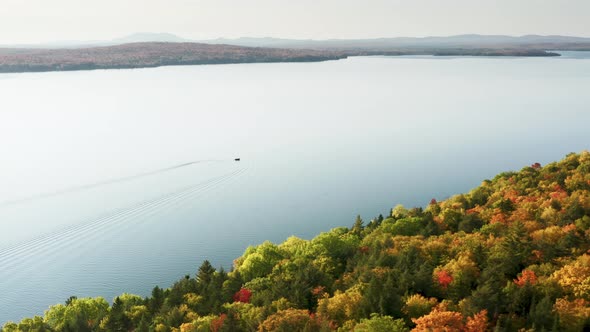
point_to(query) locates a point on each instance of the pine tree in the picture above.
(156, 301)
(143, 325)
(357, 228)
(205, 275)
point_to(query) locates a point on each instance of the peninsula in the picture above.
(149, 54)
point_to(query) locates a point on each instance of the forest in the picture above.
(148, 54)
(510, 255)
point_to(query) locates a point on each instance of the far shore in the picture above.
(158, 54)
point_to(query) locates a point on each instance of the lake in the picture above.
(319, 143)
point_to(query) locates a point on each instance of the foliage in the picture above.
(291, 320)
(510, 255)
(379, 323)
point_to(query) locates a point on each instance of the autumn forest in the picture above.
(510, 255)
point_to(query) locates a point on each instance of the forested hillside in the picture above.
(144, 55)
(511, 255)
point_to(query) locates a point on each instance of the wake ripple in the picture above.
(50, 244)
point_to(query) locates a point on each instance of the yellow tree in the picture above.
(575, 277)
(291, 320)
(341, 307)
(573, 315)
(85, 313)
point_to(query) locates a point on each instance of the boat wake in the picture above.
(21, 256)
(74, 189)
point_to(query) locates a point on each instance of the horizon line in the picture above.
(89, 41)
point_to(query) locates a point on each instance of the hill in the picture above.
(146, 37)
(148, 54)
(510, 255)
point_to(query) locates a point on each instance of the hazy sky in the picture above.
(29, 21)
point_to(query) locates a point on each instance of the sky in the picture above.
(34, 21)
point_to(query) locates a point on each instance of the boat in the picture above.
(237, 159)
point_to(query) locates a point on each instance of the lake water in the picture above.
(319, 143)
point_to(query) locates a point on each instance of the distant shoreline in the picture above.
(150, 55)
(159, 54)
(92, 68)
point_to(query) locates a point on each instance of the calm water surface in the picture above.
(319, 142)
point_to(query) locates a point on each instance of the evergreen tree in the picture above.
(357, 228)
(117, 320)
(156, 301)
(205, 275)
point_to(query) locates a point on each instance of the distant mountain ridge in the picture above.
(140, 37)
(144, 37)
(467, 40)
(457, 41)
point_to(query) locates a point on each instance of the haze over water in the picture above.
(319, 143)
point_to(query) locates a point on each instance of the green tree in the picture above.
(379, 323)
(204, 275)
(156, 301)
(79, 315)
(117, 320)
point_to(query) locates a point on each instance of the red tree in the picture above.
(217, 323)
(444, 278)
(243, 295)
(526, 277)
